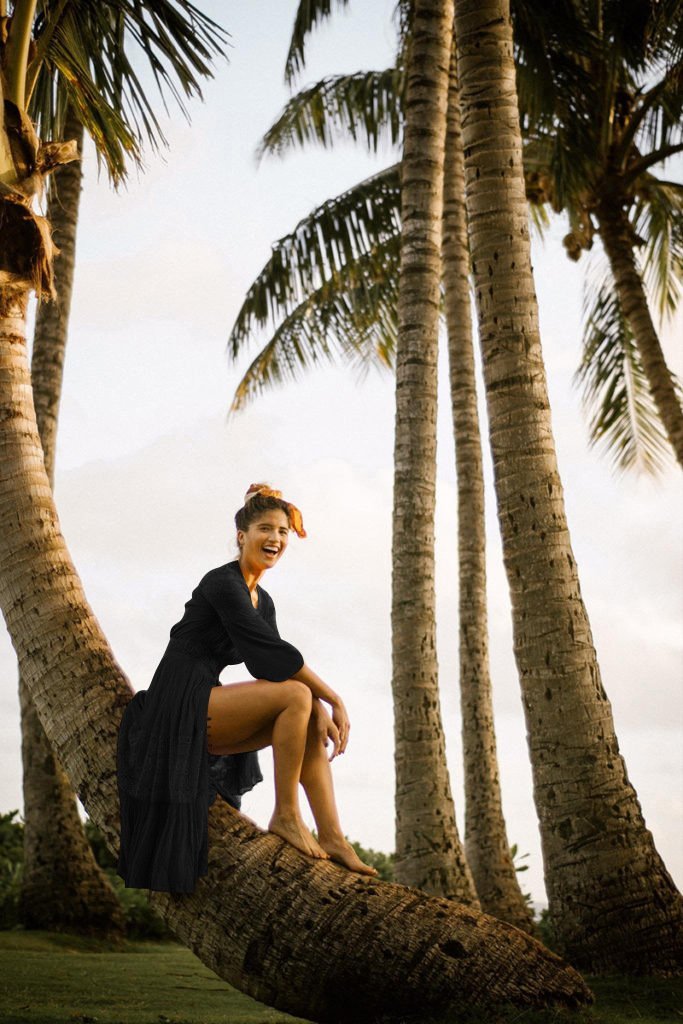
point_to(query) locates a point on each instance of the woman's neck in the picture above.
(251, 576)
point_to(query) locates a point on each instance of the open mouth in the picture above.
(271, 551)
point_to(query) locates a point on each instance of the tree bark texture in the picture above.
(63, 887)
(428, 849)
(613, 904)
(616, 232)
(486, 842)
(52, 318)
(309, 938)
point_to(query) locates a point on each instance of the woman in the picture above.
(188, 737)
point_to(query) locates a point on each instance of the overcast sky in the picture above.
(150, 472)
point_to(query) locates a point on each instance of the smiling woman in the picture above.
(188, 738)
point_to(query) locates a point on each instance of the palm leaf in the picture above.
(309, 14)
(360, 222)
(623, 420)
(658, 217)
(661, 125)
(352, 317)
(656, 119)
(364, 105)
(85, 57)
(554, 47)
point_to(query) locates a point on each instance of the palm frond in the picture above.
(626, 25)
(86, 58)
(623, 420)
(554, 46)
(366, 105)
(351, 318)
(655, 121)
(309, 14)
(539, 218)
(362, 222)
(664, 32)
(658, 218)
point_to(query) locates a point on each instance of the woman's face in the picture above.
(265, 540)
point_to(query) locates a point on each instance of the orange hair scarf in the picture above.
(294, 513)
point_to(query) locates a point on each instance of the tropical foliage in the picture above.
(561, 139)
(598, 117)
(99, 56)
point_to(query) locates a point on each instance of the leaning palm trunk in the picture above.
(428, 849)
(613, 904)
(62, 887)
(617, 237)
(309, 938)
(486, 843)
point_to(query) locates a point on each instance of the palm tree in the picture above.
(613, 904)
(428, 851)
(486, 843)
(62, 884)
(597, 118)
(250, 919)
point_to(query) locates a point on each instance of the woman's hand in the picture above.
(326, 727)
(341, 720)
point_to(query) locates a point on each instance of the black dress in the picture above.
(166, 778)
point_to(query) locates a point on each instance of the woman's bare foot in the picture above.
(341, 851)
(294, 830)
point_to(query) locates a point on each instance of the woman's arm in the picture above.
(317, 687)
(321, 690)
(264, 652)
(338, 726)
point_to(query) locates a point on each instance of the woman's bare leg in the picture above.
(249, 716)
(316, 778)
(288, 737)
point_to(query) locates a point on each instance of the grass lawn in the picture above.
(48, 978)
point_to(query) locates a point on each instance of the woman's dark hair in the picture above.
(255, 507)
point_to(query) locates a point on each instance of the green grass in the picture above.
(48, 978)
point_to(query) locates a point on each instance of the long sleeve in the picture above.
(269, 612)
(264, 652)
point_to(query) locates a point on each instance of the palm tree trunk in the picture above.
(314, 940)
(52, 318)
(428, 849)
(616, 233)
(613, 904)
(63, 887)
(486, 842)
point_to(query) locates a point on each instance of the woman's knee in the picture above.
(298, 692)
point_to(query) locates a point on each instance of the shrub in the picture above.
(11, 868)
(142, 921)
